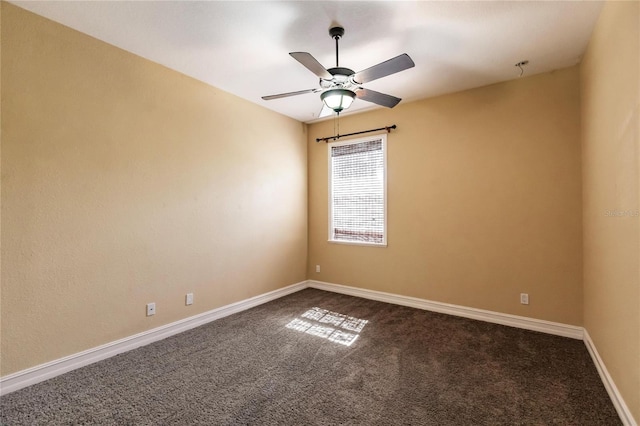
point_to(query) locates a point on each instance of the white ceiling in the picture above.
(242, 46)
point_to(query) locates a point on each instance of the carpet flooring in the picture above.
(319, 358)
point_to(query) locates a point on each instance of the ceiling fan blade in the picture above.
(377, 98)
(325, 111)
(286, 95)
(311, 64)
(383, 69)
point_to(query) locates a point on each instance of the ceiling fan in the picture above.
(340, 86)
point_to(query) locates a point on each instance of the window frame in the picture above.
(383, 138)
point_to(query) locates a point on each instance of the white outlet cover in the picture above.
(151, 309)
(188, 300)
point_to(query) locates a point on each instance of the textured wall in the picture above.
(610, 76)
(484, 200)
(124, 182)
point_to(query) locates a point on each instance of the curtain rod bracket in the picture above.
(336, 137)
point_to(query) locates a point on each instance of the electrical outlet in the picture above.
(188, 300)
(317, 268)
(524, 298)
(151, 309)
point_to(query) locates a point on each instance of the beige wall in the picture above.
(484, 200)
(610, 78)
(124, 182)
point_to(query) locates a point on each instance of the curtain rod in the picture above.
(336, 137)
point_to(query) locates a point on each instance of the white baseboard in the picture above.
(612, 389)
(39, 373)
(549, 327)
(54, 368)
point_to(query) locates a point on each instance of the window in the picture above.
(357, 191)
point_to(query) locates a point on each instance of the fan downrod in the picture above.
(336, 33)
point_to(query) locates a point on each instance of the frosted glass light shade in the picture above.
(338, 99)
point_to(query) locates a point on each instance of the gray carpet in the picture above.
(283, 363)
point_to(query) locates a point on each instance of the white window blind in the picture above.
(357, 182)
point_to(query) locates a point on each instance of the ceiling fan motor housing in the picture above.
(341, 78)
(341, 71)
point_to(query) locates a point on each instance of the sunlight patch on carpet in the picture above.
(333, 326)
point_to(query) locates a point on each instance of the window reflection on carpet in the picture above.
(333, 326)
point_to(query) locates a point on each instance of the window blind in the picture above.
(358, 191)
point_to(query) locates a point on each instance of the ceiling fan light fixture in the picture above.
(339, 84)
(338, 99)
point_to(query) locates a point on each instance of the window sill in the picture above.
(358, 243)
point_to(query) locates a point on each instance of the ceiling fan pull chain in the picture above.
(334, 124)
